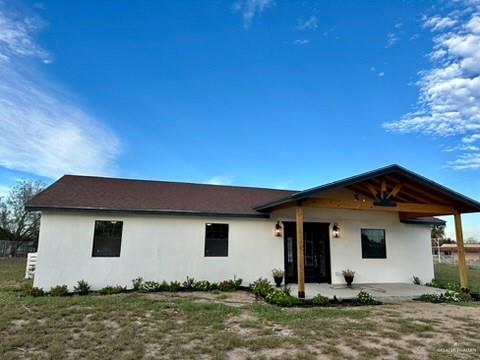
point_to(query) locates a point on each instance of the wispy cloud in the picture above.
(449, 99)
(309, 24)
(301, 41)
(221, 180)
(251, 8)
(392, 39)
(378, 73)
(44, 131)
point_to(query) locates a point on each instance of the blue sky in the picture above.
(282, 94)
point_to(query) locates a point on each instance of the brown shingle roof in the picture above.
(85, 193)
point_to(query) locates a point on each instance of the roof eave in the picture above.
(146, 211)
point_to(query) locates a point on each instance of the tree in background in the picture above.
(471, 240)
(16, 223)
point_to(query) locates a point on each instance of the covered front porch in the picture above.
(383, 292)
(366, 223)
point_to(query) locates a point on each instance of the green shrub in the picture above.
(174, 286)
(82, 288)
(365, 298)
(110, 290)
(59, 290)
(230, 285)
(320, 300)
(432, 298)
(213, 287)
(261, 287)
(29, 290)
(281, 298)
(448, 296)
(189, 284)
(202, 285)
(137, 283)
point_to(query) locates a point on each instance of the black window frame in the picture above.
(366, 248)
(212, 238)
(99, 240)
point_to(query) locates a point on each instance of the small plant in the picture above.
(348, 272)
(59, 290)
(278, 276)
(348, 275)
(82, 288)
(189, 283)
(202, 285)
(213, 287)
(448, 296)
(110, 290)
(281, 298)
(174, 286)
(137, 283)
(261, 287)
(230, 285)
(226, 285)
(320, 300)
(29, 290)
(365, 298)
(416, 280)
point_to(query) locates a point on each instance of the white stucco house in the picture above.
(109, 231)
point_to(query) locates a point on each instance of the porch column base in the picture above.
(301, 294)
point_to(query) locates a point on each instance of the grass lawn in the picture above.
(446, 273)
(223, 325)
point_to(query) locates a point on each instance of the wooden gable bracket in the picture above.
(395, 191)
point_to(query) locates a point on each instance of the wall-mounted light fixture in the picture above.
(278, 229)
(335, 230)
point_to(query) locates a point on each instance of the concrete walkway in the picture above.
(383, 292)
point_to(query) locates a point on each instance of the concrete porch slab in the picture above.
(381, 291)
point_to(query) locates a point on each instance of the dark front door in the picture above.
(317, 252)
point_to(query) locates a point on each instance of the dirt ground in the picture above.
(234, 325)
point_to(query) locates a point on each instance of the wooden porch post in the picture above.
(462, 269)
(300, 253)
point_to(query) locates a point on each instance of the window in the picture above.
(216, 240)
(107, 238)
(373, 244)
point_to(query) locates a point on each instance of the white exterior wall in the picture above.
(408, 247)
(154, 247)
(172, 247)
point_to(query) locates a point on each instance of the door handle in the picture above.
(315, 261)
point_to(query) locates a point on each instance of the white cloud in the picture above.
(251, 8)
(379, 73)
(301, 41)
(44, 131)
(391, 40)
(449, 99)
(437, 23)
(220, 180)
(309, 24)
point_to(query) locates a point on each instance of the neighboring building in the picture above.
(109, 231)
(472, 252)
